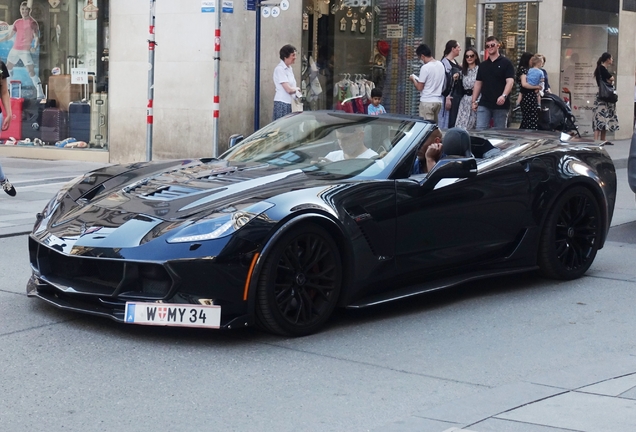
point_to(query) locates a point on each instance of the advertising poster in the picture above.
(581, 47)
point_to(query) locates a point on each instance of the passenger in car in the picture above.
(351, 142)
(429, 153)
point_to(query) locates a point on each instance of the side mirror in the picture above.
(234, 140)
(451, 167)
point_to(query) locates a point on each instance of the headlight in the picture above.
(220, 226)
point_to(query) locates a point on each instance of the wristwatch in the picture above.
(504, 95)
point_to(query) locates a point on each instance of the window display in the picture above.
(56, 52)
(351, 47)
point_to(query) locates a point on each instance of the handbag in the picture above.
(297, 104)
(606, 92)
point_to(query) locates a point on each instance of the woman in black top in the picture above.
(605, 118)
(529, 108)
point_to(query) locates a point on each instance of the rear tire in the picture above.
(571, 235)
(300, 282)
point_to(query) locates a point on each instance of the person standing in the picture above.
(429, 83)
(5, 120)
(495, 78)
(285, 82)
(450, 103)
(605, 118)
(466, 117)
(27, 36)
(528, 92)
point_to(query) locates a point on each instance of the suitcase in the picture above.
(32, 110)
(79, 118)
(99, 119)
(54, 126)
(15, 128)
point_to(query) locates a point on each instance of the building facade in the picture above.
(345, 47)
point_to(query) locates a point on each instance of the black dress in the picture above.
(529, 104)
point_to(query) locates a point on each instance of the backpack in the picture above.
(449, 82)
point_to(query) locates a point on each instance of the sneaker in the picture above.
(8, 187)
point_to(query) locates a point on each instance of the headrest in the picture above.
(456, 142)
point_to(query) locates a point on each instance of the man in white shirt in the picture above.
(430, 83)
(351, 141)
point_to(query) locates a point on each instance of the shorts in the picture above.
(16, 55)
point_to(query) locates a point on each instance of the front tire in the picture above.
(571, 235)
(300, 282)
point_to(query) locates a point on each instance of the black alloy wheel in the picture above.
(571, 235)
(300, 282)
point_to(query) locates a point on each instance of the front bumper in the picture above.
(102, 286)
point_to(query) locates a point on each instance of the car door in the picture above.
(462, 223)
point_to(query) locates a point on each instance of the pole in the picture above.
(151, 81)
(217, 68)
(257, 71)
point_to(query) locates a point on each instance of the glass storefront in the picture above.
(514, 24)
(352, 46)
(56, 52)
(589, 30)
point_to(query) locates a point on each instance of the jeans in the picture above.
(499, 116)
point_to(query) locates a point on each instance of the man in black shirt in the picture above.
(495, 78)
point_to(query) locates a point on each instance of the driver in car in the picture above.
(429, 153)
(351, 141)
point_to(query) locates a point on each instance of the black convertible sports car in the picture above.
(286, 226)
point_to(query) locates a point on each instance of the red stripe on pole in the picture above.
(216, 99)
(152, 29)
(217, 40)
(216, 113)
(149, 116)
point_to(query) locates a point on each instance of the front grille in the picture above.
(99, 276)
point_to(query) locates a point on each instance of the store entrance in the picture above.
(516, 25)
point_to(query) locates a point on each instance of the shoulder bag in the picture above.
(606, 92)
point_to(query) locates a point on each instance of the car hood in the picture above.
(180, 192)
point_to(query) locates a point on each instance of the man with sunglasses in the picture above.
(495, 78)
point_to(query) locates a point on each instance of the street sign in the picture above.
(250, 5)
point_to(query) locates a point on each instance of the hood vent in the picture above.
(168, 193)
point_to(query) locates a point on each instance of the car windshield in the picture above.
(326, 143)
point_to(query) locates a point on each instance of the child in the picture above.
(535, 76)
(375, 108)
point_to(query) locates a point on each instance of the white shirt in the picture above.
(432, 74)
(283, 74)
(338, 155)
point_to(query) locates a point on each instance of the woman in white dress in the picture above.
(466, 117)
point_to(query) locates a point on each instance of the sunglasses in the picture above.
(470, 55)
(491, 45)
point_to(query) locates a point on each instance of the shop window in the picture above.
(589, 30)
(352, 46)
(56, 52)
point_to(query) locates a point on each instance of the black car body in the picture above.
(271, 233)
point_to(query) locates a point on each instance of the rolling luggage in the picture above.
(54, 125)
(79, 118)
(15, 128)
(32, 110)
(99, 119)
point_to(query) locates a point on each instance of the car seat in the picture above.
(456, 142)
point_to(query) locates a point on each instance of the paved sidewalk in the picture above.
(36, 182)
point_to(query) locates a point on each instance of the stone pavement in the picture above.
(592, 398)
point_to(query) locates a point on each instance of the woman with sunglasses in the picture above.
(466, 116)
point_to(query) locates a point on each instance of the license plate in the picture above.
(163, 314)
